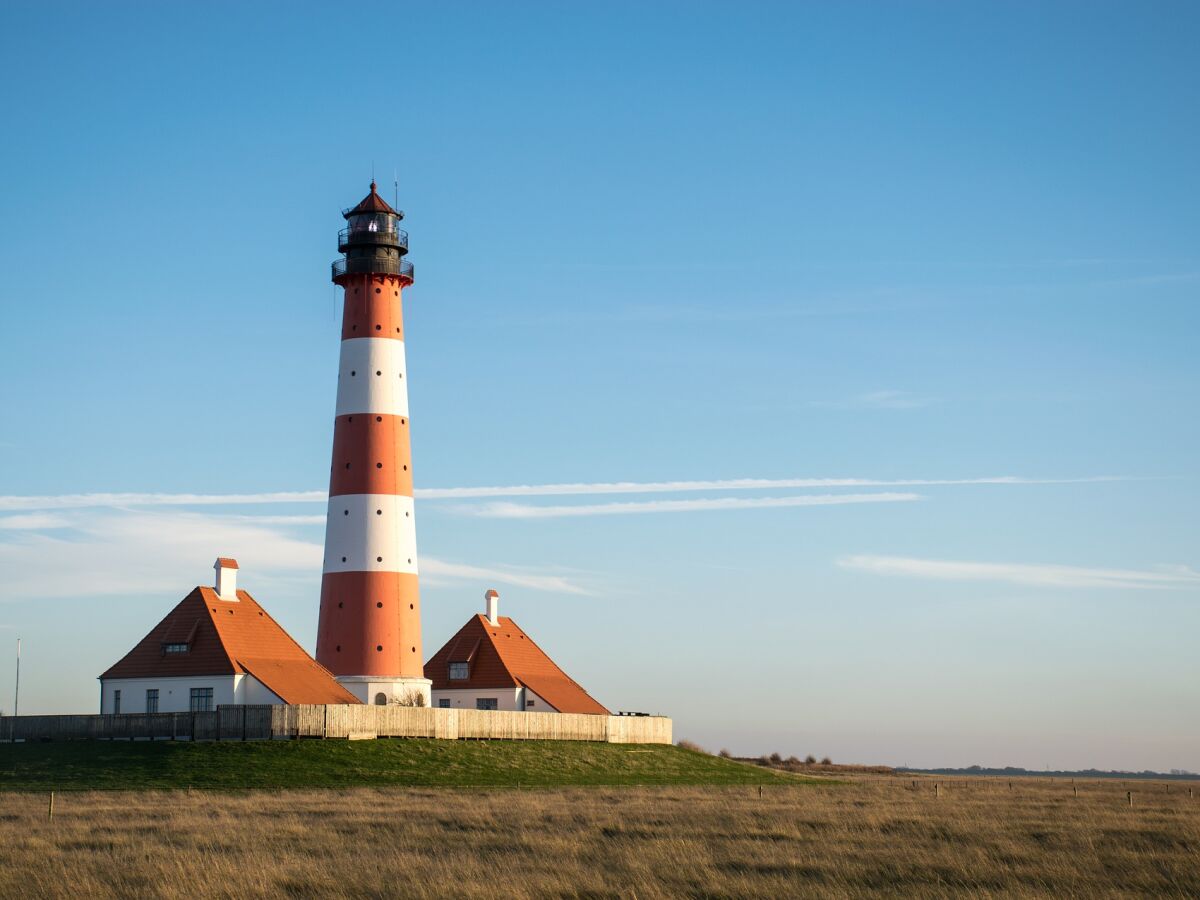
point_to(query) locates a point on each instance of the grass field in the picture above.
(231, 765)
(873, 835)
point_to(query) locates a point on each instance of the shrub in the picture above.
(725, 754)
(776, 759)
(793, 761)
(412, 698)
(809, 760)
(826, 761)
(691, 745)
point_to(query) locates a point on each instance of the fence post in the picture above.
(51, 815)
(937, 789)
(1129, 797)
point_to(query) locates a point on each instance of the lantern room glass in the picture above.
(372, 222)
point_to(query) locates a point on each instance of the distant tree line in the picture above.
(1015, 772)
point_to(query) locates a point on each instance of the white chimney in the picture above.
(493, 607)
(227, 570)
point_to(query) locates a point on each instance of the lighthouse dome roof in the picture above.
(372, 203)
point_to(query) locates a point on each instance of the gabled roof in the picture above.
(504, 656)
(228, 638)
(372, 203)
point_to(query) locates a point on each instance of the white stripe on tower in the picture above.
(371, 377)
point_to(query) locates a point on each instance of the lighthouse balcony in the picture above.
(358, 236)
(373, 265)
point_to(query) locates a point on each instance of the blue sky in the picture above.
(944, 255)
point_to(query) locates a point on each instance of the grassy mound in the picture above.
(228, 765)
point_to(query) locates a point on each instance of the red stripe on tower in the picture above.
(369, 634)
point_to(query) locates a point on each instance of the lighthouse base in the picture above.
(382, 691)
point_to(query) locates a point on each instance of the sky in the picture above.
(823, 376)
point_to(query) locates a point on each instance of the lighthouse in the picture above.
(369, 634)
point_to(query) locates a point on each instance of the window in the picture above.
(152, 700)
(116, 701)
(444, 703)
(201, 700)
(175, 648)
(486, 703)
(459, 671)
(529, 703)
(381, 699)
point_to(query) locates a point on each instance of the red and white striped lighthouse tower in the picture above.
(369, 635)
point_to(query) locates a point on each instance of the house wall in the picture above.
(174, 694)
(509, 699)
(252, 691)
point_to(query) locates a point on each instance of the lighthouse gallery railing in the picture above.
(373, 265)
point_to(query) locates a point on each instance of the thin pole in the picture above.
(17, 689)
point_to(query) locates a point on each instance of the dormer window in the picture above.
(175, 648)
(459, 671)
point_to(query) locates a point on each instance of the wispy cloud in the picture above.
(436, 571)
(1028, 574)
(317, 519)
(82, 501)
(131, 552)
(15, 503)
(730, 484)
(115, 552)
(32, 522)
(528, 511)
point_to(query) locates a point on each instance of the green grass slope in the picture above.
(125, 765)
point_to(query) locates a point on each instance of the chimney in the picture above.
(493, 607)
(227, 570)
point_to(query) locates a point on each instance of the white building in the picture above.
(492, 664)
(217, 647)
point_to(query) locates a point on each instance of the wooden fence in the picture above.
(260, 723)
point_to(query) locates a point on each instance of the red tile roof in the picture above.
(504, 656)
(226, 563)
(227, 638)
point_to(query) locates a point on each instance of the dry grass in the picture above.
(873, 835)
